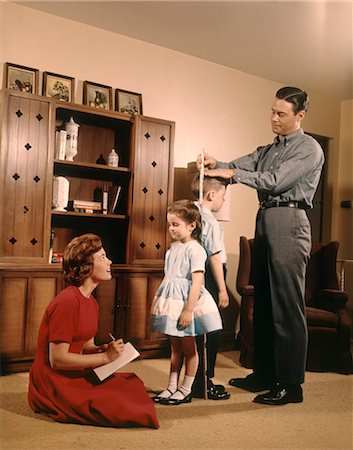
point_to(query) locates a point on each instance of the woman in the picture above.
(62, 383)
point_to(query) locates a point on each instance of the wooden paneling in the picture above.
(139, 293)
(24, 179)
(152, 191)
(106, 294)
(42, 291)
(13, 314)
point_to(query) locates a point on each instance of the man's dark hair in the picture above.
(298, 98)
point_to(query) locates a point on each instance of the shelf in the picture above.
(90, 170)
(90, 215)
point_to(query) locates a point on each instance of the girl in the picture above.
(182, 307)
(62, 384)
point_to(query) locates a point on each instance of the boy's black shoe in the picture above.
(214, 392)
(219, 387)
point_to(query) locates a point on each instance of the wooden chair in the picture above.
(329, 322)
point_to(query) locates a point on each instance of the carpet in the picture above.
(323, 421)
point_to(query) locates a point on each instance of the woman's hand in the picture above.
(185, 319)
(208, 161)
(114, 350)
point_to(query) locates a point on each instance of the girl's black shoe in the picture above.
(174, 401)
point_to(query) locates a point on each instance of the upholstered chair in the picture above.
(329, 322)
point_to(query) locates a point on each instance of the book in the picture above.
(129, 354)
(60, 144)
(84, 204)
(114, 196)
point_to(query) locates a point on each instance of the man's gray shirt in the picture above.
(286, 170)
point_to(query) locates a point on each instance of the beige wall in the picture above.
(222, 110)
(343, 220)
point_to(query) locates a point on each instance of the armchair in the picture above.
(329, 323)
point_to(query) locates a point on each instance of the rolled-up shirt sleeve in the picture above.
(298, 163)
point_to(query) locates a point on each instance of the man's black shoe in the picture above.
(281, 395)
(252, 383)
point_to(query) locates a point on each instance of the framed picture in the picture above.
(128, 102)
(59, 87)
(97, 95)
(21, 78)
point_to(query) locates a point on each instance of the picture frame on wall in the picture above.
(21, 78)
(128, 102)
(97, 95)
(60, 87)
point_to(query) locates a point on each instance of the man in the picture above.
(285, 174)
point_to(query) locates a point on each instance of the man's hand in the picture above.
(209, 161)
(227, 174)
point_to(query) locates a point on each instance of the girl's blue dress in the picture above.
(182, 259)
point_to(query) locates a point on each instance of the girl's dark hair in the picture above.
(188, 212)
(298, 98)
(78, 258)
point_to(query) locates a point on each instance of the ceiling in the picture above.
(302, 43)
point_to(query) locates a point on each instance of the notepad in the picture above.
(129, 354)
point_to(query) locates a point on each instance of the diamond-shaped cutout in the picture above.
(28, 146)
(39, 117)
(25, 209)
(160, 192)
(162, 138)
(151, 217)
(142, 245)
(154, 163)
(147, 136)
(34, 241)
(16, 176)
(145, 190)
(19, 113)
(158, 246)
(13, 240)
(36, 178)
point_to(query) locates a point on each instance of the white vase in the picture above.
(71, 128)
(61, 186)
(113, 159)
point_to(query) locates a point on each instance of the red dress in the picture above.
(77, 396)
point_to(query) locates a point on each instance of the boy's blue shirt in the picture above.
(212, 234)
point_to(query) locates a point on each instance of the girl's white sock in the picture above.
(172, 386)
(185, 389)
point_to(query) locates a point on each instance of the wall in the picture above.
(343, 219)
(224, 111)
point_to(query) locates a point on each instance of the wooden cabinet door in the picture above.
(138, 292)
(24, 296)
(152, 190)
(107, 296)
(25, 179)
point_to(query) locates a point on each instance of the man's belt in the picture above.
(283, 203)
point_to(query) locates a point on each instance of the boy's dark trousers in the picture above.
(212, 339)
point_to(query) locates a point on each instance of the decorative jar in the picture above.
(71, 128)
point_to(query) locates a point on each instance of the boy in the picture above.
(212, 239)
